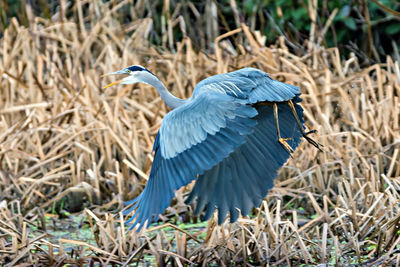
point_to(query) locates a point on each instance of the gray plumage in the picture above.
(224, 137)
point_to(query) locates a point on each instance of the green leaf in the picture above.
(281, 3)
(393, 28)
(299, 13)
(249, 6)
(350, 23)
(344, 12)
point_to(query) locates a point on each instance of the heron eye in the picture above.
(128, 71)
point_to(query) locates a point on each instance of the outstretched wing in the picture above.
(192, 139)
(250, 84)
(243, 179)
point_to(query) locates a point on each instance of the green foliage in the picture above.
(348, 30)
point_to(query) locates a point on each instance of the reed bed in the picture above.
(69, 149)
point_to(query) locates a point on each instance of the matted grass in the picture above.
(66, 144)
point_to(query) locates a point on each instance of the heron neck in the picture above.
(168, 98)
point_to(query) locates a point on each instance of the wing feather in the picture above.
(190, 124)
(179, 156)
(248, 83)
(254, 168)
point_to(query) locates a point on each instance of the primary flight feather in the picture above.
(231, 136)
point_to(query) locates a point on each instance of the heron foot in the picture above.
(286, 146)
(310, 140)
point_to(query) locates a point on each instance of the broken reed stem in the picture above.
(63, 138)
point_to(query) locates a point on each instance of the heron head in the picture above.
(136, 73)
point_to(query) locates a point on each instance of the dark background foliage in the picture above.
(370, 29)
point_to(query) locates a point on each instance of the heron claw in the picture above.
(311, 141)
(286, 146)
(310, 132)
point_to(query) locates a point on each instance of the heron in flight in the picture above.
(231, 136)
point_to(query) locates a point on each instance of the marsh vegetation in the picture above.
(71, 153)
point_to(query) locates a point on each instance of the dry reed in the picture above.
(63, 139)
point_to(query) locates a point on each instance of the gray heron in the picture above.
(231, 136)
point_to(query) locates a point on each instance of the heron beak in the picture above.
(113, 73)
(111, 84)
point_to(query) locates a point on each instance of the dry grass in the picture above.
(66, 142)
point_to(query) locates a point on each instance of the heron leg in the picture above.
(282, 141)
(304, 133)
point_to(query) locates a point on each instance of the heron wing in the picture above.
(250, 84)
(243, 179)
(192, 139)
